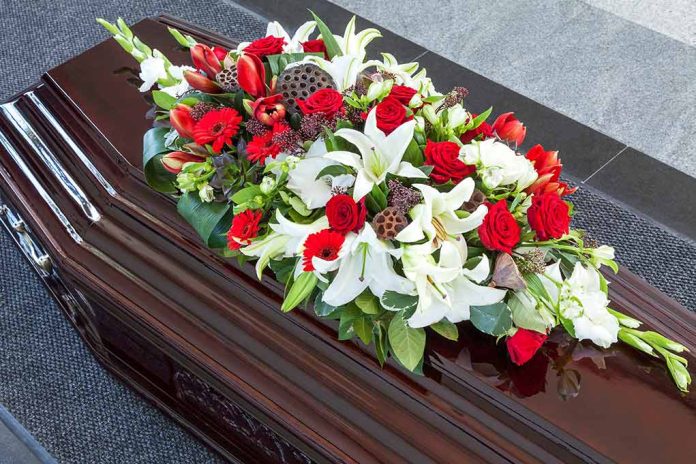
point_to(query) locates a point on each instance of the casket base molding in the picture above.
(206, 342)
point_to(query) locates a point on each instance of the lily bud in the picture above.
(205, 59)
(268, 110)
(199, 82)
(509, 128)
(174, 161)
(180, 118)
(251, 75)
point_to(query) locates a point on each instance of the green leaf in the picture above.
(332, 48)
(246, 194)
(333, 170)
(153, 148)
(367, 303)
(301, 288)
(413, 154)
(536, 287)
(345, 326)
(447, 329)
(378, 196)
(363, 329)
(282, 268)
(323, 309)
(163, 99)
(495, 319)
(381, 344)
(525, 316)
(394, 301)
(210, 220)
(481, 117)
(407, 343)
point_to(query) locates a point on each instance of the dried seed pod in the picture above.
(301, 81)
(388, 223)
(506, 273)
(477, 198)
(227, 78)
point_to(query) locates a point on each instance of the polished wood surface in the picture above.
(206, 341)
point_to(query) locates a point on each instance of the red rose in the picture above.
(524, 344)
(402, 93)
(344, 214)
(325, 101)
(548, 216)
(484, 130)
(509, 128)
(245, 226)
(267, 46)
(499, 230)
(391, 113)
(315, 46)
(444, 157)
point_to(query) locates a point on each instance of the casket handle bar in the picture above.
(39, 147)
(41, 261)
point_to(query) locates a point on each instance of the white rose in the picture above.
(498, 165)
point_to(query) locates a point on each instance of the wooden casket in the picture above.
(202, 339)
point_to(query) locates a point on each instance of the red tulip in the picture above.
(251, 75)
(220, 53)
(548, 168)
(181, 120)
(205, 59)
(199, 82)
(174, 161)
(269, 110)
(509, 128)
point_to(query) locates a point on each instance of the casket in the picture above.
(205, 341)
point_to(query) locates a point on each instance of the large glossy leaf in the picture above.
(406, 343)
(211, 220)
(447, 329)
(394, 301)
(495, 319)
(332, 48)
(153, 148)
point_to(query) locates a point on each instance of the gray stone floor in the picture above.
(619, 75)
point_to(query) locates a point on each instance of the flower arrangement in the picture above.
(377, 199)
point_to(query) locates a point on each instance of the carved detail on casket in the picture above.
(210, 402)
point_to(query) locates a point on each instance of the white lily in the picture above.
(444, 289)
(381, 154)
(344, 69)
(352, 44)
(367, 263)
(581, 299)
(436, 217)
(315, 193)
(405, 74)
(285, 240)
(292, 44)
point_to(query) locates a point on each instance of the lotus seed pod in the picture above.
(301, 81)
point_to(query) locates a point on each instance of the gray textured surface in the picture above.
(620, 78)
(48, 379)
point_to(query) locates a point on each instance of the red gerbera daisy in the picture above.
(217, 127)
(262, 146)
(245, 226)
(324, 244)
